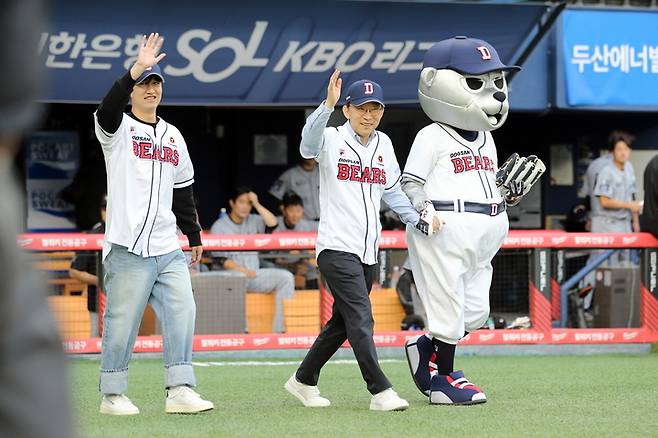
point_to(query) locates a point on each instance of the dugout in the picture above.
(258, 70)
(226, 161)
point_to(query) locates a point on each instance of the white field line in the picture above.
(282, 363)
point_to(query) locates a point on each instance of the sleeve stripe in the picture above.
(412, 176)
(107, 134)
(393, 185)
(183, 182)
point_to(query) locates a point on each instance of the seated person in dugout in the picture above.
(292, 215)
(239, 220)
(292, 220)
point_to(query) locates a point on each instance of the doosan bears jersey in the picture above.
(351, 171)
(144, 164)
(353, 179)
(451, 167)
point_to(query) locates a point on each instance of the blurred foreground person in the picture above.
(34, 400)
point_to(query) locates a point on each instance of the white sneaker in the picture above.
(184, 400)
(117, 405)
(308, 395)
(388, 400)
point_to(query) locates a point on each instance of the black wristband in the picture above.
(194, 238)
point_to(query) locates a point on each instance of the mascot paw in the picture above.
(429, 223)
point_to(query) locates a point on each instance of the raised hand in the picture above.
(253, 198)
(333, 89)
(148, 55)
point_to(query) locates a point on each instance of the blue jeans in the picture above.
(132, 281)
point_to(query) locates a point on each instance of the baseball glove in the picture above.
(517, 175)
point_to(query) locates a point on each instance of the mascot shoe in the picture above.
(455, 389)
(422, 361)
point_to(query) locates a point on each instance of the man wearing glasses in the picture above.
(358, 169)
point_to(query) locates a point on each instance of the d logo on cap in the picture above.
(484, 53)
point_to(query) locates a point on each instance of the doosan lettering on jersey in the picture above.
(459, 166)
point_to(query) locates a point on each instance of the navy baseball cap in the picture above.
(364, 91)
(152, 71)
(465, 55)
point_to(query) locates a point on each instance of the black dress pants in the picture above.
(350, 282)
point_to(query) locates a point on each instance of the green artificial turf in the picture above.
(529, 396)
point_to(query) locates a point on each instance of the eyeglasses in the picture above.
(362, 111)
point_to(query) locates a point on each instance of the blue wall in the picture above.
(264, 53)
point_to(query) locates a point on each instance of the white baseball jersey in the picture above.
(452, 270)
(451, 167)
(144, 165)
(353, 180)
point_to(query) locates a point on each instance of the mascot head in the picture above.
(463, 84)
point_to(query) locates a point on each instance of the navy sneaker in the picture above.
(422, 361)
(455, 389)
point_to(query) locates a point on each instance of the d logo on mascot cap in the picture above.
(462, 84)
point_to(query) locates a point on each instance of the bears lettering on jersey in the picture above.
(466, 163)
(353, 172)
(144, 150)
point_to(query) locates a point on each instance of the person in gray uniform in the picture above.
(617, 209)
(614, 208)
(594, 203)
(304, 180)
(595, 167)
(241, 221)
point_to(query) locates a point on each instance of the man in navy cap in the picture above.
(358, 169)
(149, 182)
